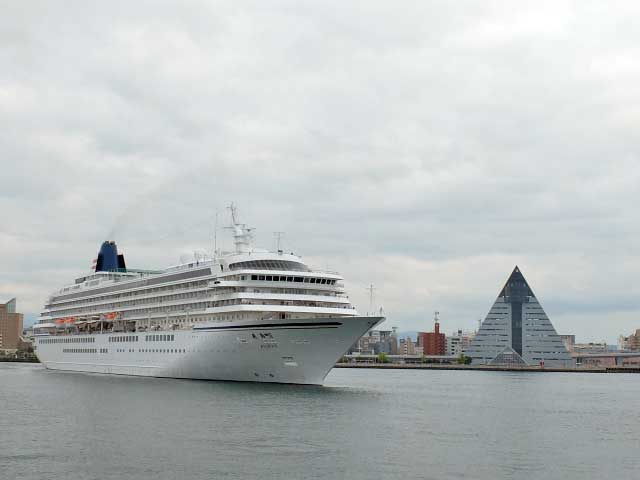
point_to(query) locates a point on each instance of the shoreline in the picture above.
(33, 359)
(435, 366)
(487, 368)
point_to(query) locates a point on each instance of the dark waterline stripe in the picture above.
(273, 325)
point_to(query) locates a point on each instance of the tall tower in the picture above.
(434, 343)
(518, 331)
(10, 325)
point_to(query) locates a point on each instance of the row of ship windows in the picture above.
(195, 284)
(68, 340)
(151, 350)
(281, 278)
(124, 302)
(147, 291)
(159, 338)
(269, 265)
(112, 304)
(223, 303)
(194, 318)
(122, 350)
(162, 350)
(124, 338)
(147, 338)
(163, 299)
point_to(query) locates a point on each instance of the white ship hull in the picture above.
(299, 351)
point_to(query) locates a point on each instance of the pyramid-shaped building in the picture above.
(517, 331)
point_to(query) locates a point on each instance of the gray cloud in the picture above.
(425, 147)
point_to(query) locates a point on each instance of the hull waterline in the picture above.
(300, 351)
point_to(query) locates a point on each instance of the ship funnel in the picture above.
(108, 259)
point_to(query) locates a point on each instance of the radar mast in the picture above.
(242, 234)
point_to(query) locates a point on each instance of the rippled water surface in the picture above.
(362, 424)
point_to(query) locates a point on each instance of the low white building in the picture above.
(458, 342)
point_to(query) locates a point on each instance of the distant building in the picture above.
(406, 347)
(632, 342)
(458, 343)
(433, 343)
(393, 343)
(28, 334)
(453, 346)
(591, 347)
(518, 331)
(569, 342)
(10, 326)
(608, 359)
(377, 341)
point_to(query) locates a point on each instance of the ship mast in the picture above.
(242, 236)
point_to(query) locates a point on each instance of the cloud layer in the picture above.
(424, 147)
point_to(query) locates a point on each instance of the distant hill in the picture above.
(29, 319)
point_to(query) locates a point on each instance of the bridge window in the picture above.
(269, 265)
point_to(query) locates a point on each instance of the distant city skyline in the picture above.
(426, 150)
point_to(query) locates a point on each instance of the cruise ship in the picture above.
(246, 315)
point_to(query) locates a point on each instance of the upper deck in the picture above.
(231, 285)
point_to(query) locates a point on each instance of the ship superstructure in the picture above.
(248, 315)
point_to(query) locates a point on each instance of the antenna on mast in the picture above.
(371, 288)
(215, 237)
(242, 236)
(278, 236)
(234, 213)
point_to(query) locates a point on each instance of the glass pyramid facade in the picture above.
(517, 324)
(508, 357)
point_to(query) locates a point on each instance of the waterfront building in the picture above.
(518, 331)
(453, 346)
(457, 343)
(591, 347)
(608, 359)
(569, 342)
(375, 342)
(632, 342)
(417, 358)
(406, 347)
(28, 334)
(393, 343)
(10, 326)
(433, 343)
(622, 342)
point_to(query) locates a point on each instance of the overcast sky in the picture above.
(426, 147)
